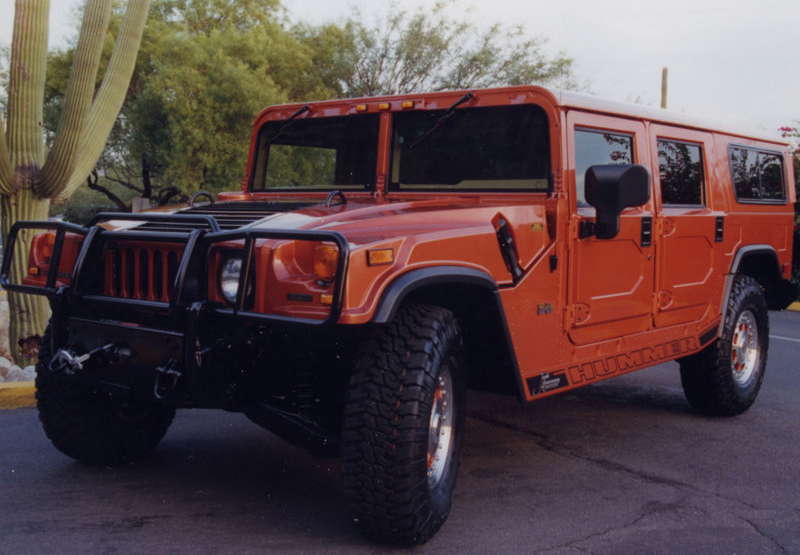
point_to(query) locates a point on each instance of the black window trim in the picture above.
(779, 155)
(704, 185)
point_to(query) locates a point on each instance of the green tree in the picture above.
(435, 50)
(205, 69)
(30, 176)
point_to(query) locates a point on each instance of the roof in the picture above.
(568, 100)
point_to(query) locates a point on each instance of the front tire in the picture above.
(724, 379)
(93, 426)
(403, 426)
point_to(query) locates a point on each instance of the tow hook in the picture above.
(67, 363)
(166, 379)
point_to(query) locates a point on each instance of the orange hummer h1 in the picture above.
(384, 255)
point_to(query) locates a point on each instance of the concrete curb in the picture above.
(15, 395)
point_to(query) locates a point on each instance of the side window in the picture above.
(757, 175)
(599, 147)
(771, 166)
(680, 167)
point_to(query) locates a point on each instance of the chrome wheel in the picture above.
(440, 430)
(403, 425)
(724, 378)
(744, 348)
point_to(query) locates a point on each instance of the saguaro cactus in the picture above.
(29, 176)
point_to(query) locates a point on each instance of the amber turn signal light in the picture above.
(326, 259)
(41, 252)
(379, 257)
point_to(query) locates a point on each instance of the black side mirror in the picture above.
(611, 189)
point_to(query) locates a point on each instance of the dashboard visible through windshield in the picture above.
(317, 153)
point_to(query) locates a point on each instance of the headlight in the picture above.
(229, 273)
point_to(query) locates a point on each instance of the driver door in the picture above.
(611, 285)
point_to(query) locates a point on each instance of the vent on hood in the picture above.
(229, 215)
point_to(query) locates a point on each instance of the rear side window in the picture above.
(757, 175)
(594, 148)
(680, 167)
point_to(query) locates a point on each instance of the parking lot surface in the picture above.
(623, 466)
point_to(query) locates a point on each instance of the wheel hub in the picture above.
(440, 430)
(744, 348)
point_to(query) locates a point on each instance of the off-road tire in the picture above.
(725, 377)
(93, 426)
(407, 380)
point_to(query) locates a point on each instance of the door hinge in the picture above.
(662, 299)
(579, 313)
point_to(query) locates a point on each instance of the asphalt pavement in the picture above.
(620, 467)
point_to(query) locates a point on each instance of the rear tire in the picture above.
(92, 426)
(403, 426)
(724, 378)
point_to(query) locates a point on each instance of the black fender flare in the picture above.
(749, 250)
(414, 280)
(781, 293)
(402, 286)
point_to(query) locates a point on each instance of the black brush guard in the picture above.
(185, 291)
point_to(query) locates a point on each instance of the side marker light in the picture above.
(379, 257)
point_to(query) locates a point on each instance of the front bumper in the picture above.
(177, 347)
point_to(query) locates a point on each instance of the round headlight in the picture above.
(229, 274)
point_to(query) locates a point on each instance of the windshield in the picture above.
(317, 153)
(497, 148)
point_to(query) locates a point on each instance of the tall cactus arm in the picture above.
(112, 92)
(6, 169)
(26, 92)
(60, 162)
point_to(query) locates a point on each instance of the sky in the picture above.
(736, 62)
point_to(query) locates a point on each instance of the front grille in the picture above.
(144, 268)
(141, 271)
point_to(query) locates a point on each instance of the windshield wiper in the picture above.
(449, 113)
(288, 123)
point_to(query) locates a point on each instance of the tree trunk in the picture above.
(146, 182)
